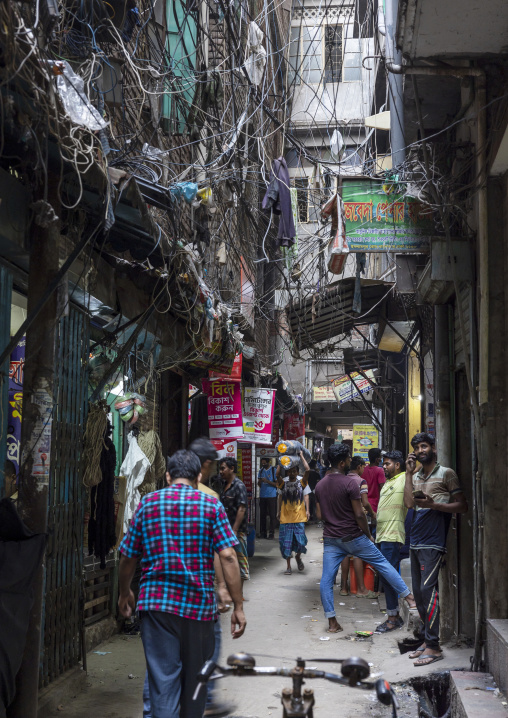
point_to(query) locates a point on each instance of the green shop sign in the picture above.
(379, 221)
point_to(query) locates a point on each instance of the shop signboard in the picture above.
(345, 390)
(258, 408)
(380, 218)
(224, 402)
(323, 393)
(266, 452)
(365, 437)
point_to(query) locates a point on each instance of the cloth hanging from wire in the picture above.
(134, 468)
(278, 199)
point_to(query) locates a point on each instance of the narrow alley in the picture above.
(285, 621)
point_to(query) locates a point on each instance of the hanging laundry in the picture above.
(101, 526)
(338, 249)
(134, 468)
(278, 200)
(256, 60)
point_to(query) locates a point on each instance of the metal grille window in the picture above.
(352, 61)
(308, 200)
(302, 198)
(333, 53)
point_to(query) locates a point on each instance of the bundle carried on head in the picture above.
(289, 453)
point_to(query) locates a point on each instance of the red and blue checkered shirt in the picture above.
(175, 533)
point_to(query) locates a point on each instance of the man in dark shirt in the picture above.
(234, 499)
(346, 531)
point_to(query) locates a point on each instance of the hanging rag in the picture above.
(150, 444)
(338, 250)
(101, 526)
(361, 262)
(336, 144)
(134, 468)
(256, 60)
(278, 200)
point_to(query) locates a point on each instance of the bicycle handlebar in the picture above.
(354, 672)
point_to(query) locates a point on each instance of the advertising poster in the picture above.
(365, 437)
(294, 427)
(225, 448)
(224, 402)
(244, 459)
(15, 405)
(235, 374)
(258, 407)
(345, 390)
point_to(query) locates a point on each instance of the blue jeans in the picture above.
(336, 550)
(210, 695)
(391, 552)
(175, 650)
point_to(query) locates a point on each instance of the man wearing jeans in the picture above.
(346, 531)
(175, 533)
(391, 532)
(435, 494)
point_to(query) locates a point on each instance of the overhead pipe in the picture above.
(393, 59)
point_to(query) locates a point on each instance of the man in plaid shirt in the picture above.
(175, 533)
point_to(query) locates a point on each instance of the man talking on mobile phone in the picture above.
(435, 494)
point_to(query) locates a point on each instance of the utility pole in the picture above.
(36, 434)
(395, 85)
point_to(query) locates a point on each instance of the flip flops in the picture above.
(300, 564)
(426, 660)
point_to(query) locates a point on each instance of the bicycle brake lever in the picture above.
(203, 677)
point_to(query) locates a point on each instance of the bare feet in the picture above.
(333, 626)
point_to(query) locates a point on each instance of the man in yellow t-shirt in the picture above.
(293, 513)
(390, 531)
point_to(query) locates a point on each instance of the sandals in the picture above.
(426, 660)
(300, 564)
(417, 653)
(343, 592)
(369, 594)
(389, 626)
(288, 572)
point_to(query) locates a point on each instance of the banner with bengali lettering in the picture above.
(15, 405)
(225, 418)
(258, 407)
(380, 222)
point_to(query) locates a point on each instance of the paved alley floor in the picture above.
(285, 620)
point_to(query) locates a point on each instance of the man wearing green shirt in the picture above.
(391, 534)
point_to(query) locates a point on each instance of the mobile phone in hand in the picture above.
(418, 494)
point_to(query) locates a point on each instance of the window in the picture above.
(308, 201)
(333, 53)
(302, 198)
(352, 61)
(305, 55)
